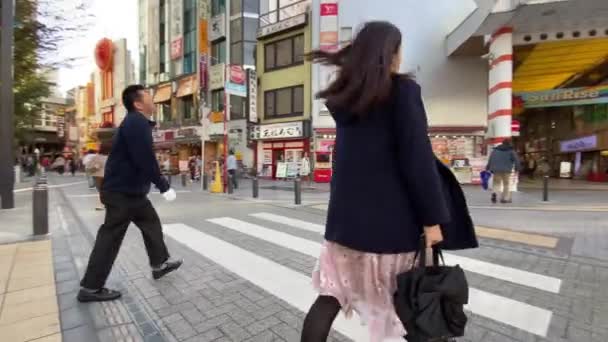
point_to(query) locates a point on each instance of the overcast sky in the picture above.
(114, 19)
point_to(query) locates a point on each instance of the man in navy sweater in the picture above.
(129, 172)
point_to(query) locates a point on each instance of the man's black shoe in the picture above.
(167, 267)
(102, 295)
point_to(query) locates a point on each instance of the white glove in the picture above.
(170, 195)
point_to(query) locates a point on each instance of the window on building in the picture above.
(164, 110)
(143, 67)
(217, 100)
(284, 53)
(284, 102)
(251, 6)
(236, 7)
(250, 29)
(249, 49)
(218, 52)
(237, 107)
(236, 30)
(236, 53)
(187, 107)
(218, 7)
(162, 36)
(190, 23)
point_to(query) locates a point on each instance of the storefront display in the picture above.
(324, 145)
(457, 152)
(281, 143)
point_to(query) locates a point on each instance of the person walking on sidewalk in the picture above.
(502, 162)
(373, 229)
(96, 168)
(129, 172)
(232, 166)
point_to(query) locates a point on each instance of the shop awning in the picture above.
(162, 94)
(548, 65)
(186, 87)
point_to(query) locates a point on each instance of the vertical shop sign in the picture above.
(252, 81)
(203, 73)
(203, 9)
(328, 41)
(236, 82)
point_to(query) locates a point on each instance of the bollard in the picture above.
(205, 181)
(230, 184)
(256, 187)
(184, 180)
(546, 189)
(298, 191)
(40, 207)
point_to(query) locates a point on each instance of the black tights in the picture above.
(319, 319)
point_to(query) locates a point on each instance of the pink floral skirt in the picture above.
(364, 283)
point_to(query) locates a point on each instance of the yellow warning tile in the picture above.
(16, 284)
(518, 237)
(3, 283)
(41, 271)
(29, 295)
(19, 312)
(34, 246)
(31, 329)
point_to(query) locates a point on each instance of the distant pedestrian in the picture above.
(73, 167)
(96, 168)
(232, 166)
(305, 169)
(503, 161)
(129, 172)
(85, 162)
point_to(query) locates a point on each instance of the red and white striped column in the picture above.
(500, 86)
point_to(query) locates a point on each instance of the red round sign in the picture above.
(237, 75)
(104, 51)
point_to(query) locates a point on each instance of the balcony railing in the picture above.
(284, 13)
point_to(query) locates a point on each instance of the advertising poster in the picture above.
(237, 81)
(281, 170)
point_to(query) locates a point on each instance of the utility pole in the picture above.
(226, 95)
(7, 159)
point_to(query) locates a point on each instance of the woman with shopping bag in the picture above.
(377, 214)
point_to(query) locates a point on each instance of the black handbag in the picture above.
(430, 299)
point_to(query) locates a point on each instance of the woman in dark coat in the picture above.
(377, 214)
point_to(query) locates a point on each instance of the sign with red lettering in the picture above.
(328, 9)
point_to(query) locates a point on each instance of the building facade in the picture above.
(547, 67)
(184, 46)
(283, 136)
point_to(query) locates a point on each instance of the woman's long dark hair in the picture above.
(365, 77)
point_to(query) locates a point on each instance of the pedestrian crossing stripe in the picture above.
(514, 313)
(288, 221)
(278, 280)
(513, 275)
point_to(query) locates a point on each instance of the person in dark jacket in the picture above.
(376, 214)
(502, 162)
(129, 172)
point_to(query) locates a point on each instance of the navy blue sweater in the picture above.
(132, 165)
(386, 185)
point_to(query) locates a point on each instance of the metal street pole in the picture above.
(7, 164)
(226, 95)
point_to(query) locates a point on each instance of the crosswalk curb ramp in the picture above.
(295, 288)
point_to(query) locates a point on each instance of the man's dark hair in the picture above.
(130, 95)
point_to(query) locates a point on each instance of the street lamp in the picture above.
(7, 170)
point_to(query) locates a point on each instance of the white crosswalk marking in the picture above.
(288, 221)
(517, 314)
(281, 281)
(525, 278)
